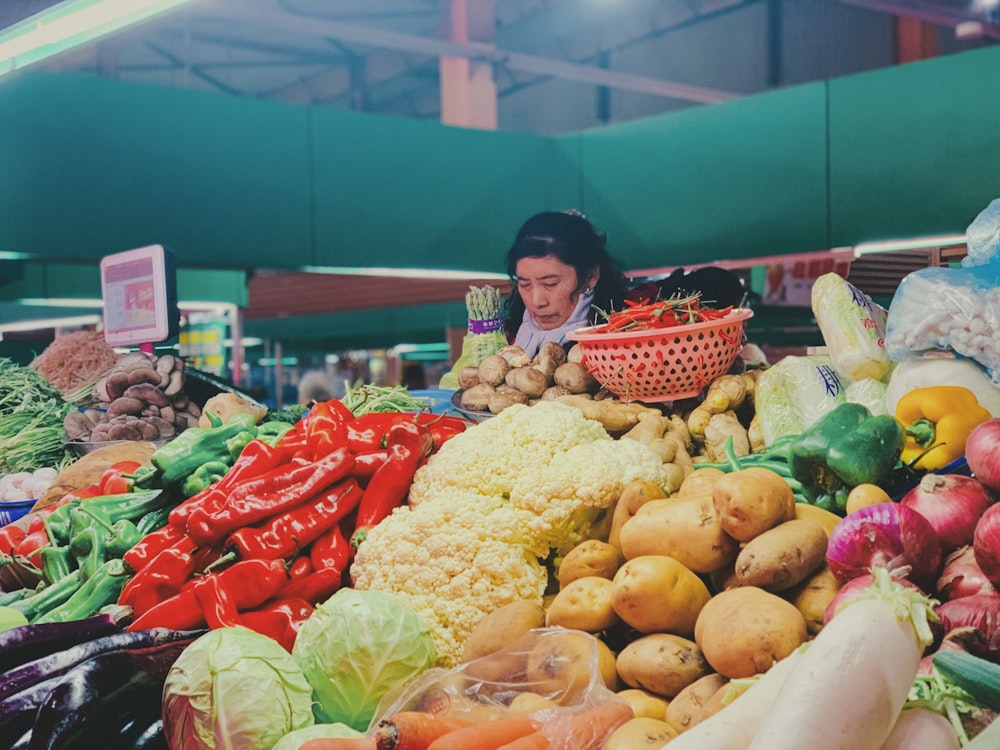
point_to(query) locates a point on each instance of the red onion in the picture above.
(979, 617)
(982, 453)
(887, 534)
(952, 503)
(853, 588)
(962, 576)
(986, 544)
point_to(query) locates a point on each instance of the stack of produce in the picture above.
(31, 417)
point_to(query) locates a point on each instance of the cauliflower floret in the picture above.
(570, 499)
(454, 560)
(518, 441)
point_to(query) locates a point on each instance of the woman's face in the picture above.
(549, 288)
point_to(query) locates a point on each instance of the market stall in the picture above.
(644, 539)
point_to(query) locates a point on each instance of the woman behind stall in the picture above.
(563, 277)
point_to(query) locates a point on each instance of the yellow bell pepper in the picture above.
(936, 421)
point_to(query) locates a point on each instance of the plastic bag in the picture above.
(982, 237)
(868, 392)
(794, 393)
(552, 673)
(853, 328)
(954, 309)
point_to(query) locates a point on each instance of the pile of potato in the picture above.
(689, 592)
(512, 377)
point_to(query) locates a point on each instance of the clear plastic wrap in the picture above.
(952, 309)
(853, 328)
(552, 673)
(794, 393)
(868, 392)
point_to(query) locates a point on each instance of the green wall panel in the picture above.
(735, 180)
(412, 194)
(89, 167)
(385, 327)
(914, 150)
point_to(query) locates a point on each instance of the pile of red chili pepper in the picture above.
(276, 534)
(642, 315)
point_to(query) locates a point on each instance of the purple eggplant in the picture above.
(24, 676)
(124, 680)
(152, 738)
(17, 712)
(28, 642)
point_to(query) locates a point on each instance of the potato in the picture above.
(584, 604)
(685, 709)
(502, 627)
(529, 702)
(824, 518)
(716, 702)
(685, 528)
(591, 557)
(751, 501)
(700, 481)
(528, 380)
(640, 732)
(657, 594)
(744, 630)
(493, 369)
(782, 557)
(813, 596)
(562, 665)
(662, 663)
(645, 703)
(636, 494)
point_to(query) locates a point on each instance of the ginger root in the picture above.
(719, 429)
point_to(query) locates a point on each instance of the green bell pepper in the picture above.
(846, 447)
(198, 445)
(98, 591)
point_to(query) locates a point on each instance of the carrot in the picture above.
(340, 743)
(588, 728)
(533, 741)
(415, 730)
(487, 735)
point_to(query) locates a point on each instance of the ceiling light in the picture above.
(43, 324)
(406, 273)
(917, 243)
(69, 24)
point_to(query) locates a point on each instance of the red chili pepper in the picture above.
(281, 619)
(112, 482)
(256, 458)
(30, 546)
(142, 553)
(216, 604)
(165, 575)
(316, 587)
(287, 534)
(408, 444)
(300, 567)
(325, 429)
(366, 464)
(263, 498)
(331, 550)
(248, 584)
(443, 427)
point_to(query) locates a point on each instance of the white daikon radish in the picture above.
(733, 727)
(849, 687)
(921, 729)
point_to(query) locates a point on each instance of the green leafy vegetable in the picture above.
(31, 421)
(233, 687)
(355, 647)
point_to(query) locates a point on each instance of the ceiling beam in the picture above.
(434, 47)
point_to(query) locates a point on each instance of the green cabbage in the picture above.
(234, 688)
(295, 740)
(355, 647)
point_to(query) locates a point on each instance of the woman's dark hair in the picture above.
(573, 240)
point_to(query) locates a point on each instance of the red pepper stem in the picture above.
(224, 560)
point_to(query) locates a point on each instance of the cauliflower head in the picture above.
(454, 560)
(571, 499)
(519, 441)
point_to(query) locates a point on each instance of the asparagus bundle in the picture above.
(485, 336)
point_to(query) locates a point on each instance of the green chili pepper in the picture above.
(846, 447)
(98, 591)
(87, 546)
(198, 445)
(131, 505)
(206, 474)
(57, 562)
(42, 600)
(57, 523)
(272, 431)
(155, 519)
